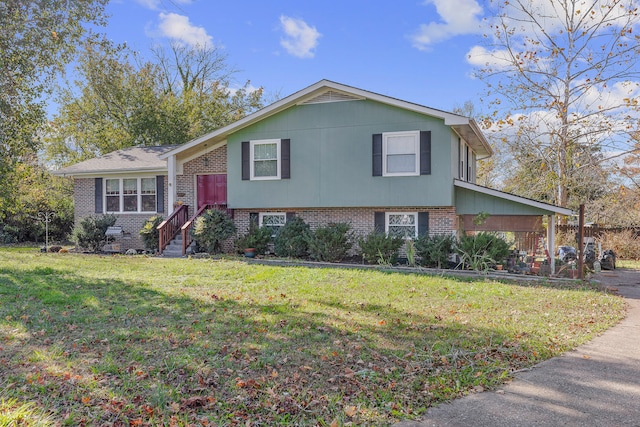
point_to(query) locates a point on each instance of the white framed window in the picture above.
(401, 224)
(265, 159)
(130, 195)
(273, 221)
(401, 153)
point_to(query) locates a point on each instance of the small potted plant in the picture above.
(250, 252)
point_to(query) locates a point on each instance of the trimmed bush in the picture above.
(150, 234)
(331, 242)
(377, 245)
(292, 239)
(212, 228)
(90, 231)
(434, 251)
(257, 238)
(482, 251)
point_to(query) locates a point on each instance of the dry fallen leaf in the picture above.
(350, 411)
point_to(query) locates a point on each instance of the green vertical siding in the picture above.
(331, 161)
(470, 202)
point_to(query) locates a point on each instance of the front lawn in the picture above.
(116, 340)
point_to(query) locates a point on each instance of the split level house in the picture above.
(328, 153)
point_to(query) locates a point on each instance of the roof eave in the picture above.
(450, 119)
(512, 197)
(72, 174)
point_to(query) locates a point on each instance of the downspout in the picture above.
(171, 178)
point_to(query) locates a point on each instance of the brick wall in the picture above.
(131, 223)
(210, 163)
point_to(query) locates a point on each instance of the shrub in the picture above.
(331, 242)
(8, 234)
(257, 238)
(212, 228)
(150, 233)
(434, 251)
(625, 244)
(481, 251)
(292, 239)
(90, 231)
(378, 245)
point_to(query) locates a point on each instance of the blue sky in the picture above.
(414, 50)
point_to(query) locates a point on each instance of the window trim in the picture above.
(416, 143)
(121, 195)
(415, 221)
(252, 145)
(261, 215)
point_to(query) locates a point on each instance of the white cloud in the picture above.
(481, 57)
(155, 4)
(458, 17)
(301, 39)
(178, 27)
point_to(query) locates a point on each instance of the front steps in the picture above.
(174, 249)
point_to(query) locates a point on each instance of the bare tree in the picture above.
(562, 78)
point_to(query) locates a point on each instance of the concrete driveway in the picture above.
(598, 384)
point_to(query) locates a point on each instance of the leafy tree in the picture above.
(562, 77)
(119, 101)
(38, 38)
(35, 190)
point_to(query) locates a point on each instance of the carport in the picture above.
(507, 213)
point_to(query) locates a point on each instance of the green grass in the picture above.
(120, 340)
(628, 263)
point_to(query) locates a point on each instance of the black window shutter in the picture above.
(254, 219)
(425, 153)
(378, 222)
(246, 160)
(377, 154)
(423, 223)
(160, 194)
(98, 194)
(285, 162)
(290, 216)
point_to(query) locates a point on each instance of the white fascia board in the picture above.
(512, 197)
(297, 97)
(101, 173)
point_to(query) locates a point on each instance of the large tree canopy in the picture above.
(119, 101)
(38, 38)
(563, 81)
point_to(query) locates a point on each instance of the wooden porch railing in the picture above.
(170, 227)
(186, 228)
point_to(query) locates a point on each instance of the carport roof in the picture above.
(501, 203)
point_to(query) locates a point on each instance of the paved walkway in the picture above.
(598, 384)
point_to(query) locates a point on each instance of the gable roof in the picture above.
(133, 159)
(328, 91)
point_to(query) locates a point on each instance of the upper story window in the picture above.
(265, 159)
(130, 194)
(401, 153)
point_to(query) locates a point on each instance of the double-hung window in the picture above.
(265, 159)
(273, 220)
(130, 195)
(401, 153)
(401, 224)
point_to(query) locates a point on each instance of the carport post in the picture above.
(551, 242)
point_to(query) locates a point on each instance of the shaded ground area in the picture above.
(598, 384)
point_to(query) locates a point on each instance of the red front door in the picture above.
(212, 189)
